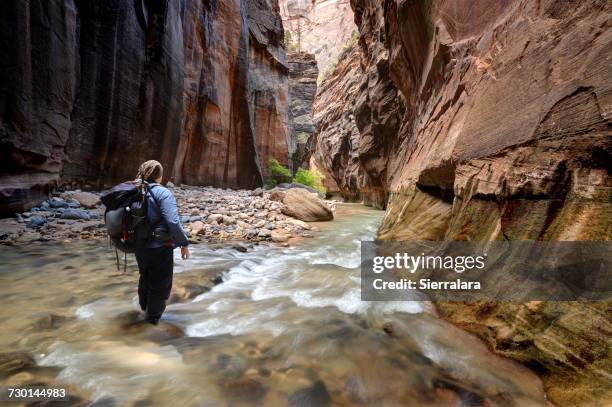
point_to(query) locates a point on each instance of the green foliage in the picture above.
(270, 183)
(312, 178)
(277, 173)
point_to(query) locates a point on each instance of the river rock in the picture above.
(56, 203)
(240, 247)
(264, 233)
(12, 362)
(35, 222)
(250, 233)
(87, 199)
(197, 227)
(279, 236)
(50, 321)
(28, 237)
(276, 196)
(76, 214)
(73, 203)
(315, 396)
(260, 224)
(228, 220)
(257, 192)
(245, 389)
(185, 292)
(303, 205)
(214, 218)
(299, 223)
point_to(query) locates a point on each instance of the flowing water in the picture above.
(286, 325)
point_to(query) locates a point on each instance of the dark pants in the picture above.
(155, 266)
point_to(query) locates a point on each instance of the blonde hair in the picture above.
(150, 170)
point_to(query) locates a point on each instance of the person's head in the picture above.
(150, 171)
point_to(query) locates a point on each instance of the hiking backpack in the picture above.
(126, 220)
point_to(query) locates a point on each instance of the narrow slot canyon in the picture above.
(410, 120)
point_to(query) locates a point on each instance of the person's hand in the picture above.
(185, 253)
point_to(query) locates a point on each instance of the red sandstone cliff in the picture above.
(91, 89)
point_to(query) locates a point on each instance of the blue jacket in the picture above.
(162, 208)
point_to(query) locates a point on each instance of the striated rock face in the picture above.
(487, 120)
(500, 118)
(319, 27)
(235, 94)
(268, 85)
(91, 89)
(337, 138)
(358, 114)
(38, 90)
(302, 89)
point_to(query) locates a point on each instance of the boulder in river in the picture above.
(303, 205)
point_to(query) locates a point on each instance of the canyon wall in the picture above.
(486, 120)
(303, 74)
(336, 139)
(319, 27)
(92, 89)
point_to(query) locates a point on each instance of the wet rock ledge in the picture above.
(208, 215)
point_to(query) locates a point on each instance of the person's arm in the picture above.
(169, 212)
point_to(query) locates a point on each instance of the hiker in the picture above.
(156, 259)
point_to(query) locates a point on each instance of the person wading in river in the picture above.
(156, 259)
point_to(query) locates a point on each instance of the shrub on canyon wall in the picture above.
(277, 173)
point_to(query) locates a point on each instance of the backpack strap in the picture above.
(148, 189)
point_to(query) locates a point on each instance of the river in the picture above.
(286, 325)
